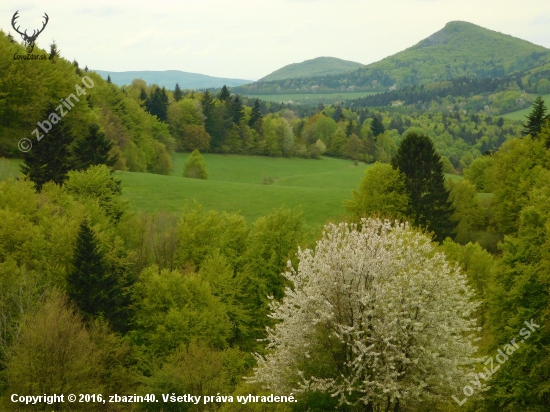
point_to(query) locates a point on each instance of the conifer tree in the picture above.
(338, 115)
(157, 103)
(109, 79)
(537, 118)
(207, 103)
(429, 205)
(376, 126)
(49, 159)
(224, 94)
(91, 285)
(54, 52)
(178, 94)
(236, 110)
(256, 113)
(93, 149)
(143, 96)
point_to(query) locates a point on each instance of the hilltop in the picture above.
(169, 78)
(320, 66)
(460, 49)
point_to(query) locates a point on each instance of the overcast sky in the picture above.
(249, 39)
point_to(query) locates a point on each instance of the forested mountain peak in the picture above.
(320, 66)
(458, 50)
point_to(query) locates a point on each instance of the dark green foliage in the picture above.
(54, 52)
(207, 103)
(109, 79)
(92, 285)
(337, 116)
(143, 95)
(376, 126)
(49, 159)
(224, 94)
(92, 149)
(256, 113)
(157, 103)
(178, 94)
(429, 199)
(236, 109)
(537, 118)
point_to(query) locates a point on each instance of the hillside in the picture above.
(460, 49)
(169, 78)
(320, 66)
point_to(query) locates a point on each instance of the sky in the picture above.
(246, 39)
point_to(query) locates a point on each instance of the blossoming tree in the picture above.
(376, 318)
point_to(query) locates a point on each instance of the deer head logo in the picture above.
(29, 40)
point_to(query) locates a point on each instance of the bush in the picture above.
(195, 167)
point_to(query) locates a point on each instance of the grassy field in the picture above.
(520, 114)
(326, 98)
(236, 184)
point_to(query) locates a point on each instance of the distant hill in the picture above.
(169, 78)
(460, 49)
(320, 66)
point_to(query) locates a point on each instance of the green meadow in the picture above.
(521, 114)
(326, 98)
(238, 184)
(249, 185)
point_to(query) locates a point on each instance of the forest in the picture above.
(430, 295)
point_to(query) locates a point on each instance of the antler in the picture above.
(25, 36)
(15, 17)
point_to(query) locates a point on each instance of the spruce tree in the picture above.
(49, 159)
(429, 206)
(207, 103)
(178, 94)
(338, 115)
(157, 103)
(224, 94)
(143, 96)
(93, 149)
(376, 126)
(256, 113)
(109, 79)
(91, 285)
(536, 119)
(236, 110)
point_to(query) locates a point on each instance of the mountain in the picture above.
(460, 49)
(320, 66)
(169, 78)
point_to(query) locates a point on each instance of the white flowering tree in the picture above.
(376, 318)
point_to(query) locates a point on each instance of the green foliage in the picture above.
(381, 192)
(429, 205)
(195, 167)
(319, 66)
(97, 184)
(467, 210)
(173, 309)
(517, 166)
(93, 149)
(479, 173)
(537, 118)
(91, 285)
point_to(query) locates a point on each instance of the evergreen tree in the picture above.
(224, 94)
(93, 149)
(376, 126)
(429, 205)
(236, 110)
(157, 103)
(109, 79)
(54, 52)
(207, 103)
(49, 159)
(195, 167)
(350, 127)
(320, 107)
(338, 115)
(256, 113)
(537, 118)
(178, 94)
(143, 96)
(91, 285)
